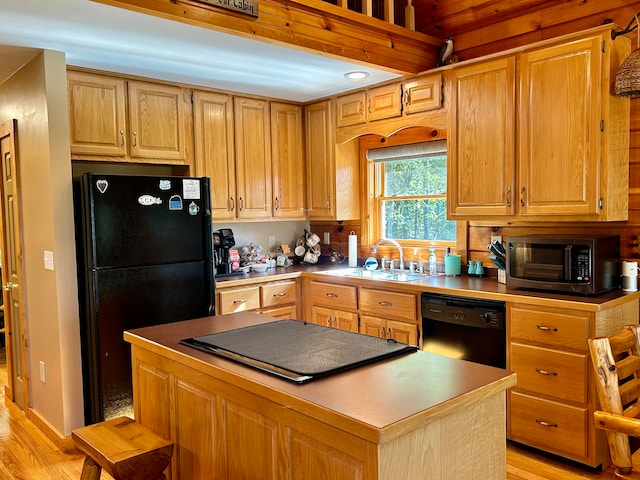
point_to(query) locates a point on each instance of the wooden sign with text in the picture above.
(249, 7)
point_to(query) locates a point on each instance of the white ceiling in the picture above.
(108, 38)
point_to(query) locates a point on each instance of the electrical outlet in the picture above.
(43, 375)
(272, 242)
(496, 238)
(327, 238)
(48, 260)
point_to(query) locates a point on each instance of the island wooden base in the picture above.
(230, 426)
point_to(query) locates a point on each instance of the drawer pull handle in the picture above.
(546, 424)
(546, 372)
(243, 300)
(332, 295)
(546, 329)
(281, 294)
(386, 304)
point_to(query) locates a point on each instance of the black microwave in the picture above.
(586, 265)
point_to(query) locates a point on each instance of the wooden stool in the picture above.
(124, 448)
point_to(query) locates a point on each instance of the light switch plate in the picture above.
(48, 260)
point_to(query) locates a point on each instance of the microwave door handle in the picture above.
(567, 262)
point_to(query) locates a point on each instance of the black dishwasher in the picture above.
(466, 328)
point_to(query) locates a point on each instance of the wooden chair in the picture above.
(616, 362)
(124, 448)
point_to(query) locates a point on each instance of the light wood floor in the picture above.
(26, 454)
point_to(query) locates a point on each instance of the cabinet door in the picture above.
(157, 116)
(253, 158)
(481, 147)
(402, 332)
(322, 316)
(422, 94)
(350, 109)
(320, 161)
(384, 102)
(214, 150)
(287, 157)
(373, 326)
(560, 105)
(346, 320)
(97, 114)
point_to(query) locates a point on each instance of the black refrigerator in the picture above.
(144, 258)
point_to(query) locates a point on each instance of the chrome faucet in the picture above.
(390, 240)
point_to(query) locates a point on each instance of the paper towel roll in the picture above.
(353, 249)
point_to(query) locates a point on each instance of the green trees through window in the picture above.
(412, 199)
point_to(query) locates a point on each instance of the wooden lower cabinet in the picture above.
(552, 405)
(240, 299)
(334, 318)
(276, 299)
(212, 422)
(402, 332)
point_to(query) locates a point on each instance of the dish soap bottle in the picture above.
(432, 263)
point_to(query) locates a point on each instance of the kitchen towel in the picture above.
(353, 249)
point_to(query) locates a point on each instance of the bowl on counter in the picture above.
(259, 267)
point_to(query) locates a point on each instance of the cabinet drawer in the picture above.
(275, 294)
(285, 312)
(563, 328)
(397, 306)
(238, 300)
(550, 372)
(548, 425)
(334, 296)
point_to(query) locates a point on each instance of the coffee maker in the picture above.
(222, 242)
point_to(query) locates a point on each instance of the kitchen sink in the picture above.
(393, 275)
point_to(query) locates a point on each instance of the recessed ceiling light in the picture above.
(356, 75)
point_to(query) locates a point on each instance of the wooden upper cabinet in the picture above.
(214, 150)
(128, 120)
(332, 171)
(253, 158)
(570, 161)
(97, 114)
(287, 157)
(389, 101)
(320, 163)
(481, 139)
(157, 116)
(422, 94)
(560, 137)
(375, 104)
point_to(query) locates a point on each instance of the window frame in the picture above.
(374, 185)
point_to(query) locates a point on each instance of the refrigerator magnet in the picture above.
(175, 202)
(191, 189)
(102, 185)
(165, 185)
(193, 209)
(148, 200)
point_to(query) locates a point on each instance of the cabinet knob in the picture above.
(385, 304)
(240, 204)
(508, 197)
(135, 139)
(121, 138)
(277, 202)
(232, 204)
(546, 372)
(242, 300)
(522, 192)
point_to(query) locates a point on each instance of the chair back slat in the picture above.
(616, 364)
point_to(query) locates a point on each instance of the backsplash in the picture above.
(259, 233)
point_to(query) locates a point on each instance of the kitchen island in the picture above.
(411, 417)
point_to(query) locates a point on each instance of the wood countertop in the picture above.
(461, 285)
(377, 402)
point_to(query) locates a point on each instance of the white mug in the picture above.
(313, 240)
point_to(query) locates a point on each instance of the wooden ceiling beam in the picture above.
(309, 25)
